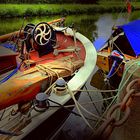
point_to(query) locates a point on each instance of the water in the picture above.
(93, 27)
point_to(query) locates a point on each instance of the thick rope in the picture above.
(77, 106)
(121, 86)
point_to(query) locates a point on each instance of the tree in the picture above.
(50, 1)
(87, 1)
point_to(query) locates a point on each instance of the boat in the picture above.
(42, 67)
(115, 52)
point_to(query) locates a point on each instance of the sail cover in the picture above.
(132, 32)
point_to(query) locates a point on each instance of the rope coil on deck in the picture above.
(60, 88)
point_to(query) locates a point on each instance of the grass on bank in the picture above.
(16, 10)
(20, 10)
(9, 25)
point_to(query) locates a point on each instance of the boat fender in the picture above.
(41, 102)
(60, 87)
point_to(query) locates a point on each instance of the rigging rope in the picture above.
(77, 106)
(91, 101)
(66, 108)
(121, 86)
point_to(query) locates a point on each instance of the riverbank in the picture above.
(20, 10)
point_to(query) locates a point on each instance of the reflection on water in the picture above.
(105, 23)
(92, 26)
(83, 23)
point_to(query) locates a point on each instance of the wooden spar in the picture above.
(5, 37)
(16, 33)
(24, 87)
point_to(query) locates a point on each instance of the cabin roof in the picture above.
(132, 32)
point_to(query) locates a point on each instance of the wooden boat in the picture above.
(39, 67)
(122, 46)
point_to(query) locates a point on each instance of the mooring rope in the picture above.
(121, 86)
(78, 108)
(77, 104)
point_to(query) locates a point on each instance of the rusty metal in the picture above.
(126, 100)
(131, 84)
(137, 94)
(22, 108)
(122, 120)
(105, 130)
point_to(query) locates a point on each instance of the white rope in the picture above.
(95, 116)
(97, 90)
(76, 104)
(121, 86)
(47, 90)
(60, 91)
(91, 102)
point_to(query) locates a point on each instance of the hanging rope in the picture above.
(106, 129)
(78, 106)
(121, 86)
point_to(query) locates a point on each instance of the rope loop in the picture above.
(60, 91)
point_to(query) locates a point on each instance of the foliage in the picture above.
(14, 24)
(19, 10)
(48, 1)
